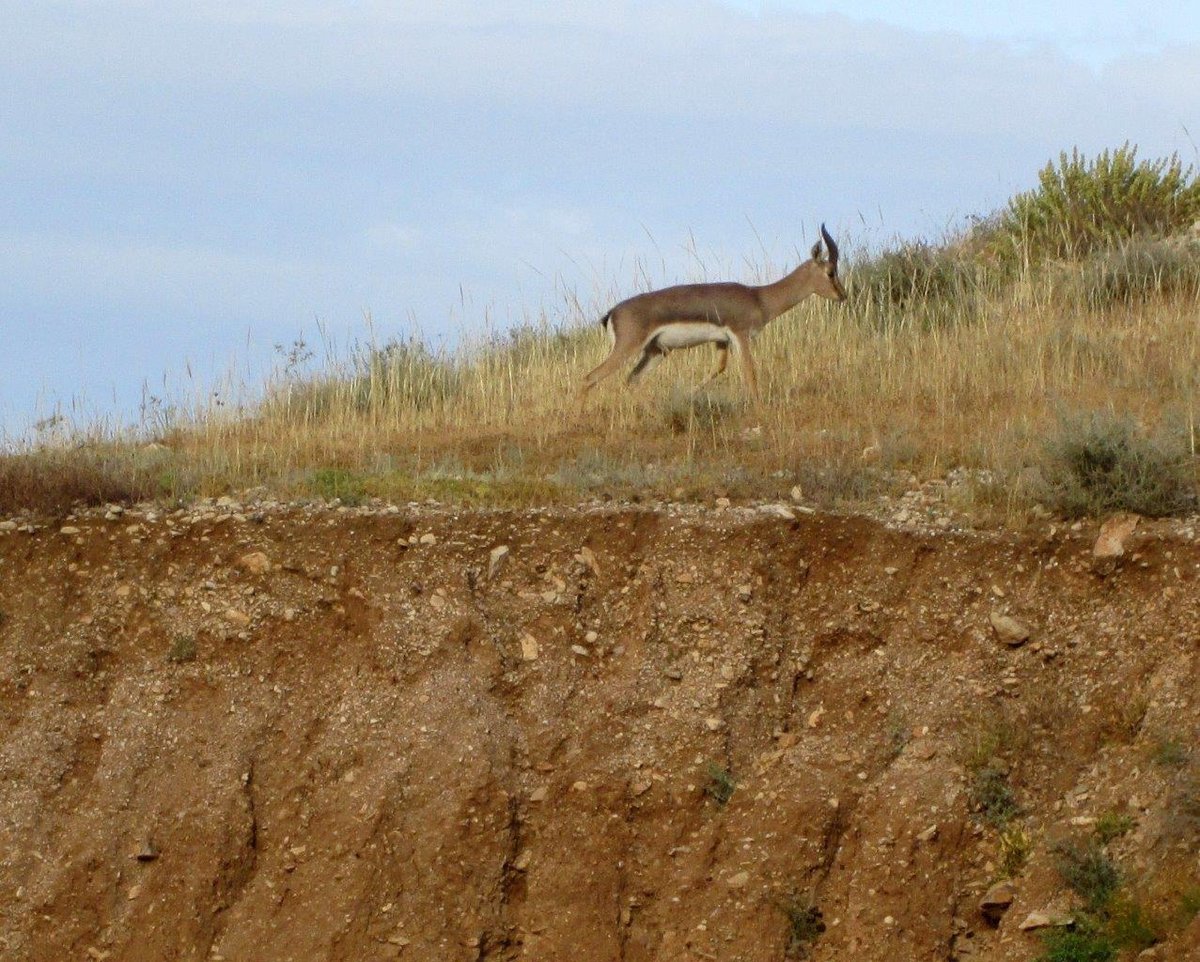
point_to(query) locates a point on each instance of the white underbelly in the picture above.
(690, 334)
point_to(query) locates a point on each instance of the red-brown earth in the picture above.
(650, 733)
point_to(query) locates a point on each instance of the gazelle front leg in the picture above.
(741, 344)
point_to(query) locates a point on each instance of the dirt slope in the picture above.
(363, 747)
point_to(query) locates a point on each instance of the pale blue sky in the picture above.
(185, 184)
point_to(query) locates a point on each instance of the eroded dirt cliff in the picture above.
(283, 733)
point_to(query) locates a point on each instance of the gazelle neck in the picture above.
(788, 291)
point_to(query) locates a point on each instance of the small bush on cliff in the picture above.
(805, 926)
(1087, 869)
(721, 784)
(1080, 945)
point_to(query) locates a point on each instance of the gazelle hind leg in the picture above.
(622, 351)
(651, 356)
(722, 361)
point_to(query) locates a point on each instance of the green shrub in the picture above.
(1087, 869)
(1100, 462)
(1083, 205)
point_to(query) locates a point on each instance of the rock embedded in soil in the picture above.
(497, 560)
(529, 647)
(255, 562)
(996, 901)
(1045, 919)
(1114, 534)
(1011, 631)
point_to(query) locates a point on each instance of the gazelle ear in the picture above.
(816, 251)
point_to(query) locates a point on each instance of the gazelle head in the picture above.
(825, 269)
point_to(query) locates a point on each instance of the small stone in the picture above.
(1045, 920)
(68, 529)
(8, 526)
(521, 862)
(797, 493)
(891, 570)
(237, 617)
(722, 502)
(427, 538)
(529, 647)
(497, 560)
(996, 901)
(587, 558)
(437, 602)
(579, 786)
(641, 785)
(1114, 534)
(781, 511)
(713, 724)
(814, 717)
(1012, 632)
(134, 892)
(256, 563)
(580, 650)
(591, 637)
(538, 794)
(148, 852)
(738, 880)
(928, 835)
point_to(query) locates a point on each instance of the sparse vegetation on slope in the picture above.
(1057, 329)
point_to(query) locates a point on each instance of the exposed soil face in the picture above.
(363, 746)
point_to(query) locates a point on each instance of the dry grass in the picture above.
(973, 371)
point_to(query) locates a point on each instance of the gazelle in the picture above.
(726, 315)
